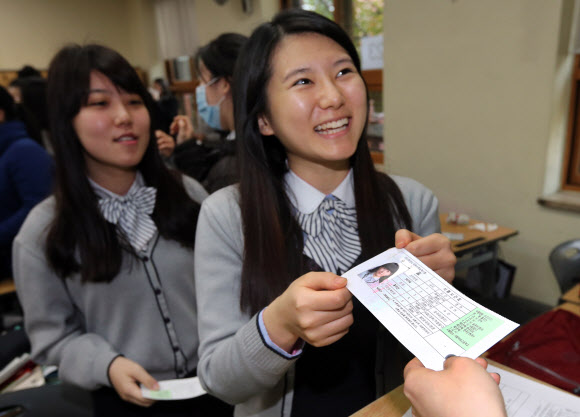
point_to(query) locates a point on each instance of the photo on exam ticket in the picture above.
(380, 275)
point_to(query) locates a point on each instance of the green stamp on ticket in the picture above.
(471, 328)
(163, 394)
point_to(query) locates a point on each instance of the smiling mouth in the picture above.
(332, 127)
(126, 138)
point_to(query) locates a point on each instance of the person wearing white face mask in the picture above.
(214, 163)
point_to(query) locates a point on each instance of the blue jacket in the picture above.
(26, 172)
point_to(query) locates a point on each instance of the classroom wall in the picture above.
(213, 19)
(468, 107)
(33, 30)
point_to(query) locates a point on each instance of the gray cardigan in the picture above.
(146, 313)
(235, 364)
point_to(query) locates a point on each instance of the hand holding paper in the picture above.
(426, 314)
(316, 307)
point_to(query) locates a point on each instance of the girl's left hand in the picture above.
(433, 250)
(165, 143)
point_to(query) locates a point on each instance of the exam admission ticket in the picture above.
(425, 313)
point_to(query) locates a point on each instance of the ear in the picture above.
(265, 126)
(227, 87)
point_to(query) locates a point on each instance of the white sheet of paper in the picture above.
(426, 314)
(175, 389)
(526, 398)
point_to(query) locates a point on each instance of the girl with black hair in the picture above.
(280, 334)
(104, 268)
(213, 163)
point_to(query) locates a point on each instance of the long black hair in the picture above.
(78, 224)
(219, 55)
(273, 238)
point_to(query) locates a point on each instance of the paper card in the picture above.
(425, 313)
(175, 389)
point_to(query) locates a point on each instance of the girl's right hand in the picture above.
(126, 375)
(182, 128)
(316, 307)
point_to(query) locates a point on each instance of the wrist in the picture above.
(278, 331)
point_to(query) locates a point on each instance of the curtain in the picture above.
(176, 27)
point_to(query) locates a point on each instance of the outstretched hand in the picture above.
(316, 307)
(126, 375)
(463, 388)
(433, 250)
(183, 129)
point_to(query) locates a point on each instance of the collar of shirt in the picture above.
(306, 199)
(102, 192)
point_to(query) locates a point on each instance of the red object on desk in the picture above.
(547, 348)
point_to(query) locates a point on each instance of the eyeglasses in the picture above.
(210, 82)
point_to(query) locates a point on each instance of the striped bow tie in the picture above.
(132, 215)
(332, 235)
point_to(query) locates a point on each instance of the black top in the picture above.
(339, 379)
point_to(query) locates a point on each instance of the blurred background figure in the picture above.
(25, 177)
(214, 163)
(168, 105)
(29, 93)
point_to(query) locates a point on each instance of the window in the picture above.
(571, 166)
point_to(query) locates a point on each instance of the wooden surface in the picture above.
(393, 404)
(7, 286)
(572, 295)
(501, 233)
(571, 307)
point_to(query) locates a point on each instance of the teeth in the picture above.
(335, 125)
(125, 138)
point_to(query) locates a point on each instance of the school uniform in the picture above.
(147, 313)
(238, 361)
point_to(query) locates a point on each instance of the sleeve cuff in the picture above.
(296, 349)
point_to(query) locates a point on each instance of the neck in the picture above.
(227, 114)
(325, 178)
(116, 181)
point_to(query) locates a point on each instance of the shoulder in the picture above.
(35, 227)
(422, 205)
(194, 189)
(220, 220)
(224, 201)
(27, 148)
(414, 193)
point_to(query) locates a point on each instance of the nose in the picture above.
(122, 115)
(331, 95)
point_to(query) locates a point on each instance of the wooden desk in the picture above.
(393, 404)
(486, 238)
(7, 286)
(571, 307)
(572, 295)
(477, 249)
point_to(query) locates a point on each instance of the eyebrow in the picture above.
(302, 70)
(99, 90)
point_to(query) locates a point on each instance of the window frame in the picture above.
(570, 179)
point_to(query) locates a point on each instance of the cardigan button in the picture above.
(157, 291)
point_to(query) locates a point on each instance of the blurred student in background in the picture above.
(214, 163)
(25, 177)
